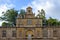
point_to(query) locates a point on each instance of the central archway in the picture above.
(29, 34)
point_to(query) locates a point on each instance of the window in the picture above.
(13, 33)
(20, 34)
(29, 22)
(54, 33)
(4, 33)
(29, 11)
(45, 33)
(38, 33)
(50, 33)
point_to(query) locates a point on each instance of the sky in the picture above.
(51, 7)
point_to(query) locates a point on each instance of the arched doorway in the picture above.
(29, 34)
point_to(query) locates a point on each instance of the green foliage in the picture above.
(10, 16)
(5, 24)
(41, 14)
(22, 13)
(52, 21)
(58, 23)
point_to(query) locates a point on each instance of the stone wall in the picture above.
(37, 33)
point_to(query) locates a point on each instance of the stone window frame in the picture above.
(54, 33)
(29, 22)
(4, 33)
(14, 34)
(20, 33)
(38, 33)
(45, 33)
(29, 11)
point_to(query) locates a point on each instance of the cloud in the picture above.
(5, 6)
(51, 7)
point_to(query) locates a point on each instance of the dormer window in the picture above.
(29, 11)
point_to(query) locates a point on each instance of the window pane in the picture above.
(29, 22)
(45, 33)
(38, 33)
(54, 33)
(20, 34)
(4, 33)
(13, 33)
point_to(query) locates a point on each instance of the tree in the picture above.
(5, 24)
(10, 16)
(41, 14)
(22, 13)
(52, 21)
(58, 23)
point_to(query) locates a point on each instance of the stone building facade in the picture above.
(29, 27)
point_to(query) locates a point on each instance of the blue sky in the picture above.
(17, 4)
(51, 7)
